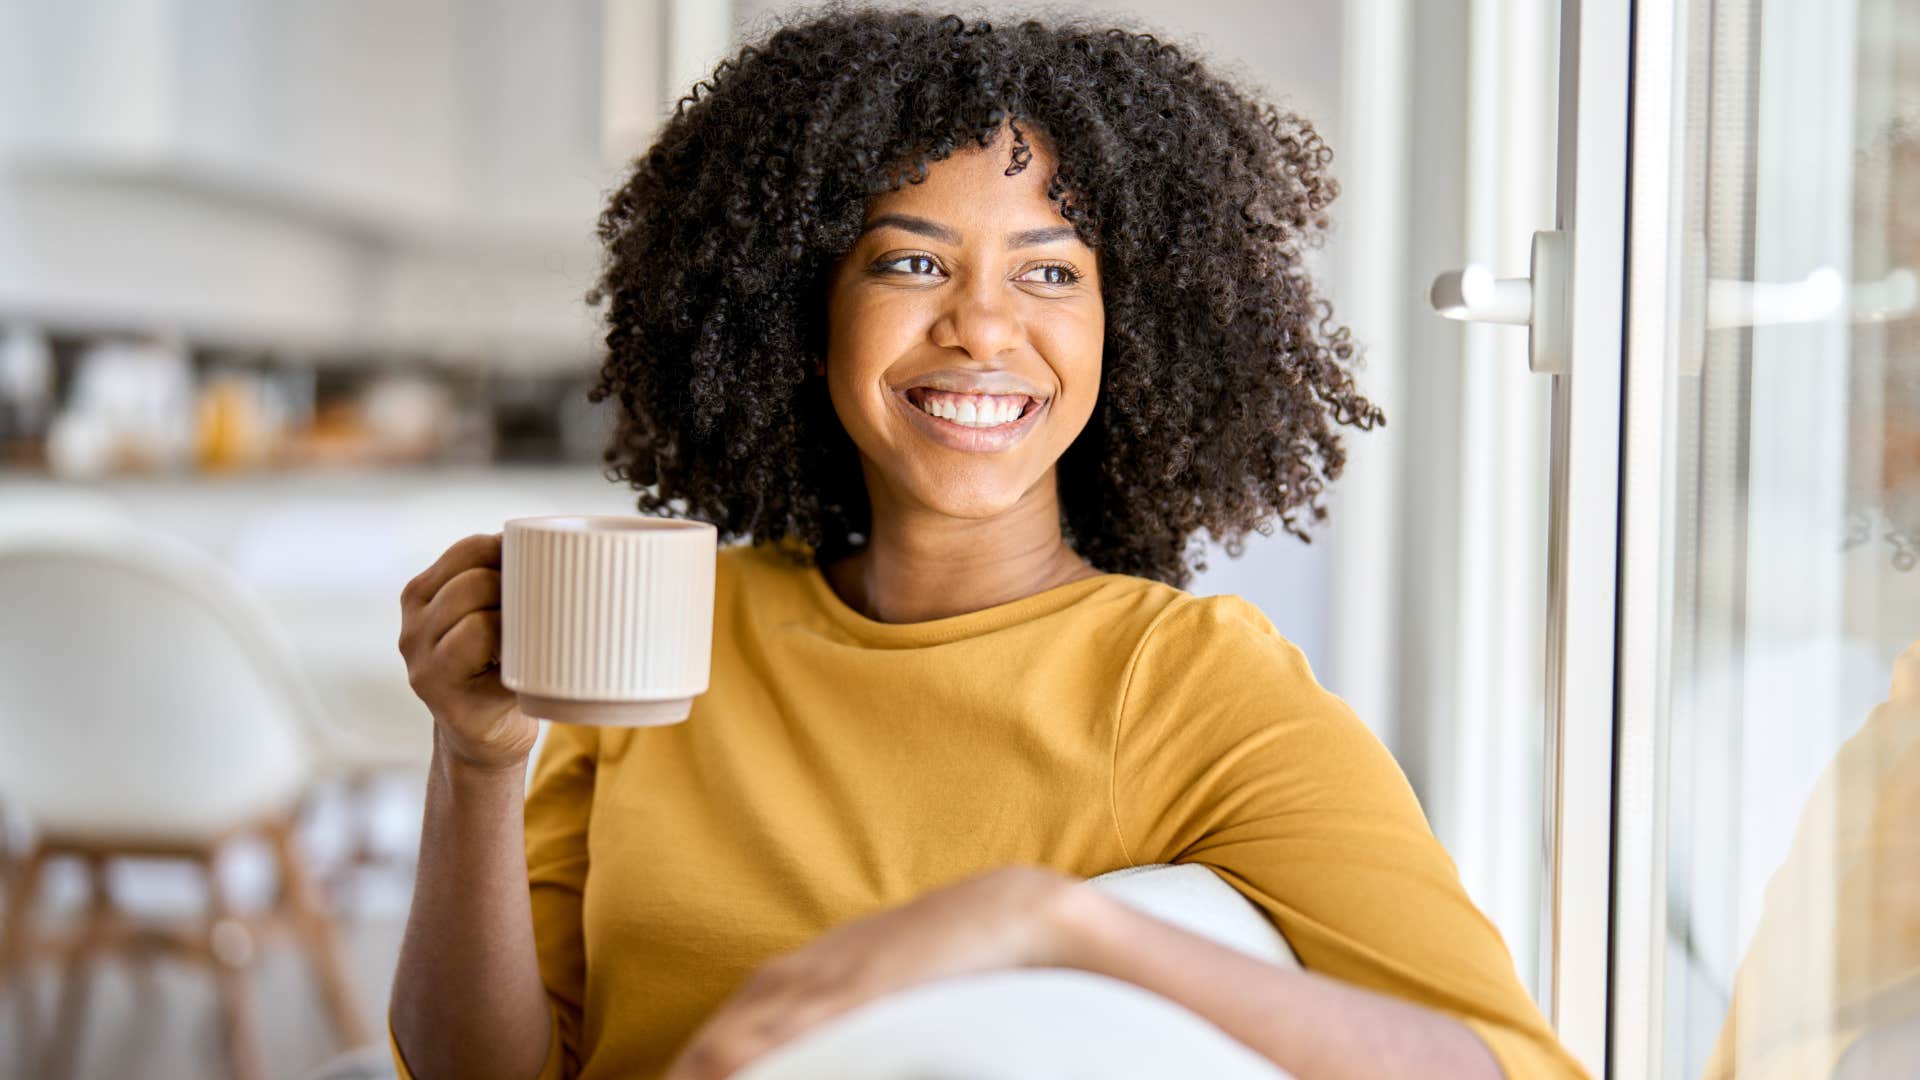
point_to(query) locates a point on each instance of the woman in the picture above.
(969, 330)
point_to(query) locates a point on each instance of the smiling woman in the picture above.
(968, 330)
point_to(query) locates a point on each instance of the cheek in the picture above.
(1076, 418)
(848, 358)
(846, 407)
(857, 394)
(864, 341)
(1080, 376)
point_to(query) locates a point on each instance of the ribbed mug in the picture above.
(606, 619)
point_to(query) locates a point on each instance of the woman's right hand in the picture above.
(450, 637)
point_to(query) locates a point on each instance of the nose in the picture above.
(977, 318)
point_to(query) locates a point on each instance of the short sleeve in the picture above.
(559, 796)
(1229, 754)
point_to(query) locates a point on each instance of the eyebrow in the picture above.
(937, 231)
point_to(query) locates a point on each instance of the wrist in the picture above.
(466, 770)
(1082, 923)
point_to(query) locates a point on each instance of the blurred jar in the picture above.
(409, 417)
(132, 409)
(238, 421)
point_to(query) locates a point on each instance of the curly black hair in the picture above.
(1223, 374)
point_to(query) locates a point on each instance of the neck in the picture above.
(919, 564)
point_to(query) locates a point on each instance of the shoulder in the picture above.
(1216, 667)
(1224, 613)
(733, 558)
(759, 584)
(758, 561)
(1194, 630)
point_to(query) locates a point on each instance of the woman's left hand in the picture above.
(1012, 916)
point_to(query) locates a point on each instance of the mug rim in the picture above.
(584, 523)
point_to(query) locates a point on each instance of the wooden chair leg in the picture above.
(315, 927)
(230, 972)
(359, 857)
(16, 969)
(343, 885)
(69, 1026)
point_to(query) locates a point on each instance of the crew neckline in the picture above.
(949, 627)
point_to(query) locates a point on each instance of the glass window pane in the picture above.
(1792, 694)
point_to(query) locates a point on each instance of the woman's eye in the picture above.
(913, 262)
(1067, 274)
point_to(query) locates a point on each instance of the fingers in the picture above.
(470, 590)
(721, 1050)
(480, 549)
(471, 645)
(450, 637)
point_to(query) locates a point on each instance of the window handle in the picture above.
(1537, 301)
(1823, 294)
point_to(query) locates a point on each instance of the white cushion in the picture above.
(1193, 897)
(1050, 1023)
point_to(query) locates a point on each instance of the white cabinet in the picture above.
(443, 113)
(415, 174)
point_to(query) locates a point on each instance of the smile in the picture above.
(971, 423)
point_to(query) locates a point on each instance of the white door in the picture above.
(1724, 304)
(1572, 301)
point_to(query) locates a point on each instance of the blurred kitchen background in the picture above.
(295, 290)
(298, 285)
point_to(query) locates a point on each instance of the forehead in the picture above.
(969, 189)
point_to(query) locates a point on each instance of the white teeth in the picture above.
(975, 411)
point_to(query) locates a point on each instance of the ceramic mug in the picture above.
(606, 619)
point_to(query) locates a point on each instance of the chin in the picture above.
(976, 502)
(978, 509)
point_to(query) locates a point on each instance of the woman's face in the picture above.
(967, 294)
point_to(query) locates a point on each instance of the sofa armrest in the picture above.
(1018, 1024)
(1048, 1023)
(1194, 898)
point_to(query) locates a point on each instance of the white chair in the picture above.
(1027, 1024)
(28, 508)
(151, 707)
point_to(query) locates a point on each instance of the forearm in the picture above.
(1315, 1027)
(467, 996)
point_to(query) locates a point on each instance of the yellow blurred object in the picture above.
(228, 429)
(1837, 954)
(337, 436)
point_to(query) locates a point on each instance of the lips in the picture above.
(968, 439)
(962, 381)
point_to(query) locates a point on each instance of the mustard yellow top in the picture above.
(839, 766)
